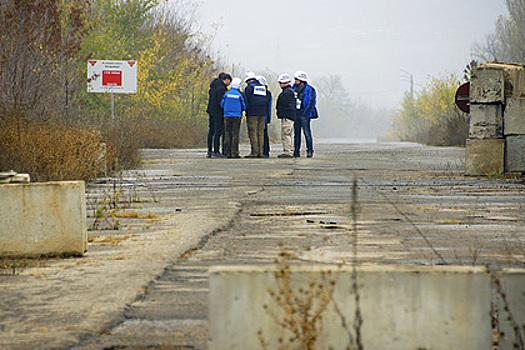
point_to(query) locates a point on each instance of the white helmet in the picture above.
(249, 76)
(236, 83)
(300, 75)
(261, 80)
(284, 78)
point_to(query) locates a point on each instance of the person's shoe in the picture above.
(218, 155)
(265, 156)
(310, 154)
(296, 155)
(236, 156)
(251, 156)
(208, 155)
(284, 155)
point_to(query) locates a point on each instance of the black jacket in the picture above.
(217, 91)
(286, 104)
(256, 99)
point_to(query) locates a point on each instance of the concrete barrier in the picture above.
(402, 307)
(515, 154)
(484, 157)
(487, 85)
(486, 121)
(47, 218)
(515, 116)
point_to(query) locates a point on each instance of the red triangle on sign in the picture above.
(92, 62)
(131, 63)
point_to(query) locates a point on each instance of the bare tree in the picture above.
(508, 41)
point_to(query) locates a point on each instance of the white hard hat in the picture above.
(300, 75)
(261, 79)
(236, 83)
(284, 78)
(248, 76)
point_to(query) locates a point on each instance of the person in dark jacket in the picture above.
(286, 108)
(256, 105)
(306, 99)
(218, 88)
(267, 117)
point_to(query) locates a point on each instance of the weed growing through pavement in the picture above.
(304, 304)
(499, 299)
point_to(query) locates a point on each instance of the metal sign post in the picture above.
(114, 77)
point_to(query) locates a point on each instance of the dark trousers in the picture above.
(231, 136)
(266, 145)
(302, 122)
(215, 131)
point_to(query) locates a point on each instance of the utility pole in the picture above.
(407, 76)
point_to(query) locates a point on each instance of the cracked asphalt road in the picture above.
(144, 286)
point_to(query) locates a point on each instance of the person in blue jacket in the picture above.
(233, 105)
(268, 117)
(305, 111)
(256, 104)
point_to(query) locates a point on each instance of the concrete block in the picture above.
(487, 85)
(484, 157)
(515, 154)
(401, 307)
(513, 285)
(514, 117)
(43, 218)
(514, 75)
(486, 121)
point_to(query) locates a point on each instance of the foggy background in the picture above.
(358, 48)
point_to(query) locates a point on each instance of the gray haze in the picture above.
(365, 42)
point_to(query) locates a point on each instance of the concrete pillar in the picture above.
(43, 218)
(515, 154)
(487, 86)
(515, 116)
(484, 157)
(402, 307)
(486, 121)
(497, 111)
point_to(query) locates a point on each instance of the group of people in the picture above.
(295, 106)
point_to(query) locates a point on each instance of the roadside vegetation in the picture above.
(51, 128)
(430, 116)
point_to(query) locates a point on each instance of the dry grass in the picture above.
(53, 151)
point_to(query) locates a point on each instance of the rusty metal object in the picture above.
(462, 98)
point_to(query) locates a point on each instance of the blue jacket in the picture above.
(256, 99)
(233, 104)
(308, 98)
(268, 119)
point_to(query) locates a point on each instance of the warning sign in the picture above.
(112, 76)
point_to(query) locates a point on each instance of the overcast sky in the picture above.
(365, 42)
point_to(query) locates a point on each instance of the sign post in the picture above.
(114, 77)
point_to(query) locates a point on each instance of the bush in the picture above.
(53, 151)
(432, 117)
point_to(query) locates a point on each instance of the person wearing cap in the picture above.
(285, 107)
(267, 117)
(233, 106)
(305, 110)
(256, 105)
(218, 88)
